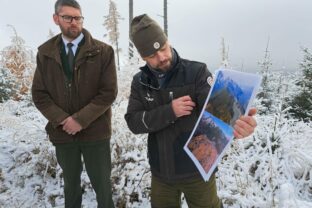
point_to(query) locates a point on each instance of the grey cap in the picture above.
(147, 36)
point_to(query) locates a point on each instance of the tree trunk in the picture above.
(130, 19)
(166, 17)
(117, 48)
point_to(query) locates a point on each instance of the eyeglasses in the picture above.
(69, 19)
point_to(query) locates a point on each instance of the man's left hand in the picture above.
(71, 126)
(245, 125)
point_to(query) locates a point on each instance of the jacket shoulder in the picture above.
(137, 77)
(46, 46)
(102, 45)
(194, 64)
(195, 67)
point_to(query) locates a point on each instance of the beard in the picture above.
(71, 32)
(164, 65)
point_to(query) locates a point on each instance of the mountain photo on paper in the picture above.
(229, 98)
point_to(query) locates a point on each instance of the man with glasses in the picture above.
(74, 87)
(166, 98)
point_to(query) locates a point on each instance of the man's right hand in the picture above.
(71, 126)
(183, 106)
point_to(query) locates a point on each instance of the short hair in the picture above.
(61, 3)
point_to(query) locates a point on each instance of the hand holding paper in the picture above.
(245, 125)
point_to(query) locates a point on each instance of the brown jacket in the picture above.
(87, 98)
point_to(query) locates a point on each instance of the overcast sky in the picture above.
(195, 27)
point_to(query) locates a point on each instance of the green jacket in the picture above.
(87, 97)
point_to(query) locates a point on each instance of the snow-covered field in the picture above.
(271, 168)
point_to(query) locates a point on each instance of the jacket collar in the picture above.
(52, 48)
(75, 43)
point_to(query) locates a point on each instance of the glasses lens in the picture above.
(69, 19)
(78, 19)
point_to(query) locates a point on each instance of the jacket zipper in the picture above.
(165, 147)
(69, 97)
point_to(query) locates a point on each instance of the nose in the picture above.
(161, 56)
(73, 21)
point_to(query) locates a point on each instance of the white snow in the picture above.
(271, 168)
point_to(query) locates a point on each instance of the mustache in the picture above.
(73, 27)
(164, 62)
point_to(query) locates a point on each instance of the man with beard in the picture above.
(166, 98)
(74, 87)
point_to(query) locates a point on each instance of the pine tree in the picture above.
(224, 55)
(51, 34)
(19, 60)
(111, 23)
(265, 93)
(7, 85)
(302, 103)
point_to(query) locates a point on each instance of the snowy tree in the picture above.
(271, 168)
(111, 23)
(224, 55)
(7, 85)
(51, 34)
(265, 93)
(306, 66)
(19, 60)
(302, 102)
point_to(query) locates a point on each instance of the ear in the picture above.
(56, 19)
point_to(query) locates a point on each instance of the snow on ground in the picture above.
(271, 168)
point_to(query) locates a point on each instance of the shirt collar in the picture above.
(75, 42)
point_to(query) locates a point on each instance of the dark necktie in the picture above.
(70, 56)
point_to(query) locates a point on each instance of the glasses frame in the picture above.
(69, 19)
